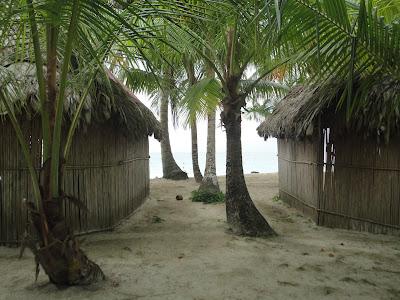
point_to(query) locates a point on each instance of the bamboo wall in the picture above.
(299, 175)
(106, 171)
(15, 182)
(345, 182)
(362, 185)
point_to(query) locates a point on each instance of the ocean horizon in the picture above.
(262, 162)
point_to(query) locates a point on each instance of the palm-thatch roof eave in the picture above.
(376, 113)
(108, 102)
(283, 122)
(132, 112)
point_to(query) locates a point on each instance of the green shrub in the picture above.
(208, 197)
(276, 199)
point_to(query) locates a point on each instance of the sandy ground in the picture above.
(181, 250)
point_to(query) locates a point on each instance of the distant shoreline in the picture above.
(263, 163)
(223, 176)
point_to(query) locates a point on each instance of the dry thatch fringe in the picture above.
(375, 109)
(108, 101)
(131, 112)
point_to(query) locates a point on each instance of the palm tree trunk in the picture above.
(190, 72)
(242, 215)
(57, 251)
(171, 169)
(195, 153)
(61, 257)
(210, 180)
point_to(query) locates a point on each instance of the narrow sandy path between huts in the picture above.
(180, 250)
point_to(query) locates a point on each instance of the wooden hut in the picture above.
(108, 168)
(342, 172)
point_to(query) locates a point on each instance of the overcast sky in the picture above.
(181, 140)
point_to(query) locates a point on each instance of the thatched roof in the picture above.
(109, 102)
(378, 109)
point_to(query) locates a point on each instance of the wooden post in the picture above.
(320, 168)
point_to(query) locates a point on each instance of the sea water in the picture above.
(262, 162)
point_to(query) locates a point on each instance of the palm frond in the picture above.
(200, 99)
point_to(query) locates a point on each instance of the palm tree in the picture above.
(316, 39)
(210, 183)
(87, 31)
(198, 177)
(238, 47)
(309, 40)
(56, 27)
(152, 72)
(202, 99)
(191, 80)
(171, 170)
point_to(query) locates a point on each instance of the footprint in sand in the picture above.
(348, 279)
(287, 283)
(308, 267)
(352, 280)
(284, 265)
(327, 290)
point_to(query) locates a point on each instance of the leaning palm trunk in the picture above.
(210, 180)
(195, 153)
(242, 215)
(171, 169)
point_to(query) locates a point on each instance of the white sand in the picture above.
(189, 255)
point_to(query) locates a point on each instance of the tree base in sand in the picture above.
(245, 219)
(56, 250)
(176, 175)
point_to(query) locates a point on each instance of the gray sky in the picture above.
(181, 140)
